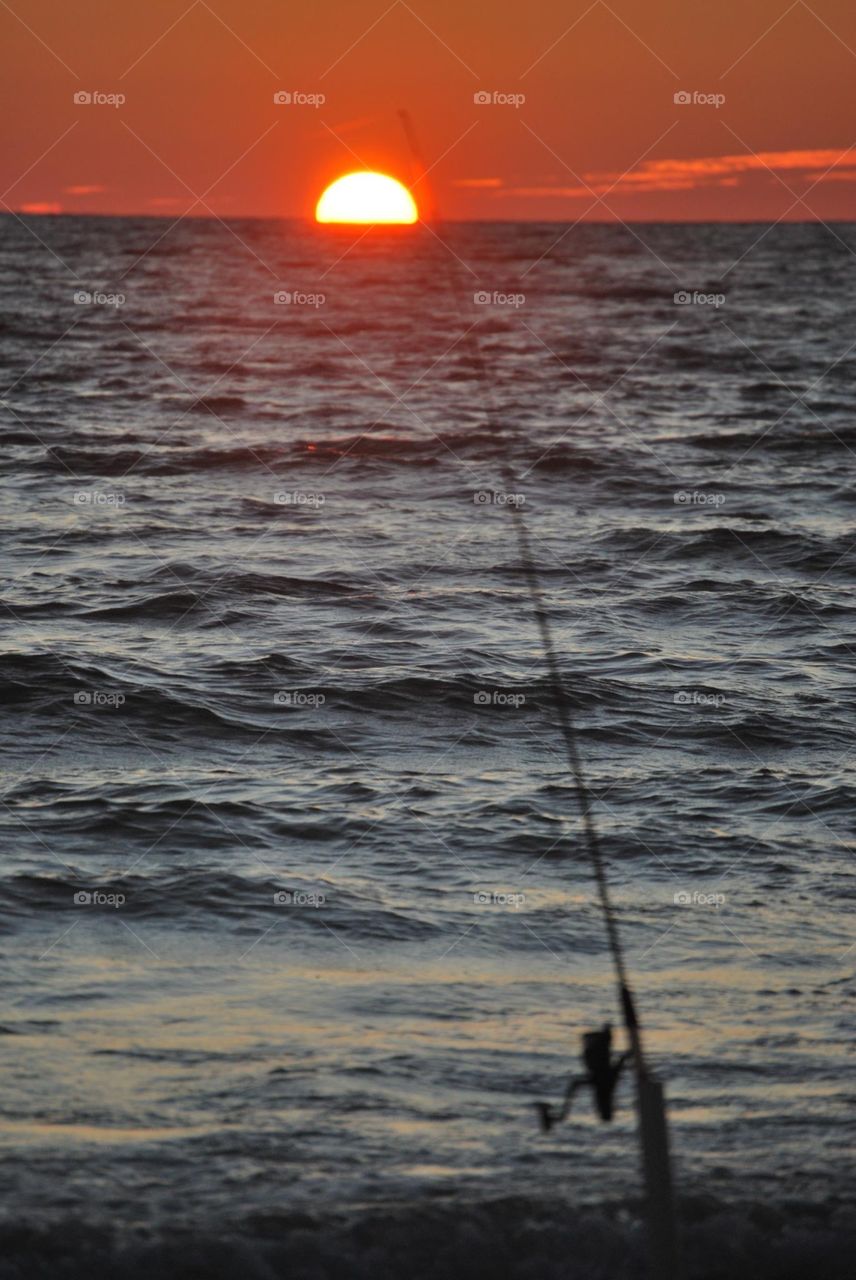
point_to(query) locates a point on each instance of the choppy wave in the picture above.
(265, 630)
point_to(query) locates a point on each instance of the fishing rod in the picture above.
(602, 1073)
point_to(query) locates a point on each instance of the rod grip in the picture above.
(657, 1171)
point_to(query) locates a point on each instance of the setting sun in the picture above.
(368, 198)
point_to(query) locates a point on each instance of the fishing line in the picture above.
(539, 608)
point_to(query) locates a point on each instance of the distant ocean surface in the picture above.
(296, 920)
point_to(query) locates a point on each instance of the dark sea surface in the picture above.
(296, 918)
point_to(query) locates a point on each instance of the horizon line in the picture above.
(307, 220)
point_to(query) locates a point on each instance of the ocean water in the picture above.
(296, 918)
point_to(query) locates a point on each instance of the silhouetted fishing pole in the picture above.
(601, 1071)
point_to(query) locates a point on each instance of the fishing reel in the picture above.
(602, 1076)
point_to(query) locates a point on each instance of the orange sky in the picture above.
(598, 133)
